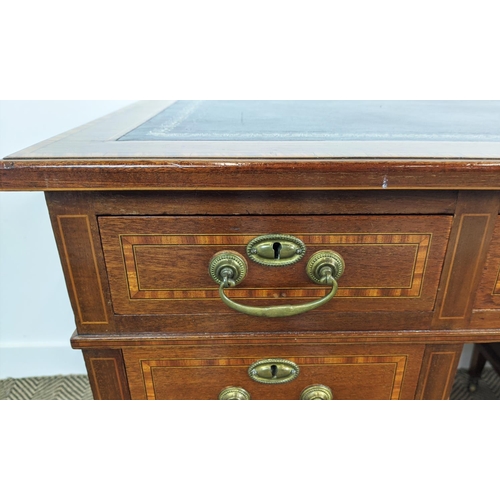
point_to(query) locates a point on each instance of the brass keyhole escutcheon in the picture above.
(276, 250)
(273, 371)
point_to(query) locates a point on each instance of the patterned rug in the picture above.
(77, 387)
(57, 387)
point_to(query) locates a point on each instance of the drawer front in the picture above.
(159, 265)
(351, 372)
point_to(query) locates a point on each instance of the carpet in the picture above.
(77, 387)
(56, 387)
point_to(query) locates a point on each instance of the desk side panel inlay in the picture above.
(82, 268)
(77, 236)
(470, 239)
(107, 375)
(438, 369)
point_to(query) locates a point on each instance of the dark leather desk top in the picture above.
(436, 121)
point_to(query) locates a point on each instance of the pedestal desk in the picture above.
(274, 249)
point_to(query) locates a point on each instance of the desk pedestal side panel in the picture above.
(137, 268)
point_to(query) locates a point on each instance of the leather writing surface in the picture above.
(323, 121)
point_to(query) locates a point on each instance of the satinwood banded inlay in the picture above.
(410, 285)
(395, 362)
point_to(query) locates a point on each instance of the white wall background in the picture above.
(36, 320)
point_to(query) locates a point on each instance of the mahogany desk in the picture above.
(278, 250)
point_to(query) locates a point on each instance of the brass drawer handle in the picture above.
(234, 393)
(317, 392)
(230, 268)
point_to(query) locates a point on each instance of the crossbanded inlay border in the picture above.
(399, 363)
(130, 242)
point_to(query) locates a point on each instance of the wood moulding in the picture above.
(248, 174)
(118, 341)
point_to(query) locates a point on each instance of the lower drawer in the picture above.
(373, 371)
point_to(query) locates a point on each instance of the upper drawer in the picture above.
(159, 265)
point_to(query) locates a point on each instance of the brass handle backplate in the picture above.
(317, 392)
(229, 268)
(234, 393)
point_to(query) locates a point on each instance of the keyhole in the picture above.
(277, 250)
(274, 370)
